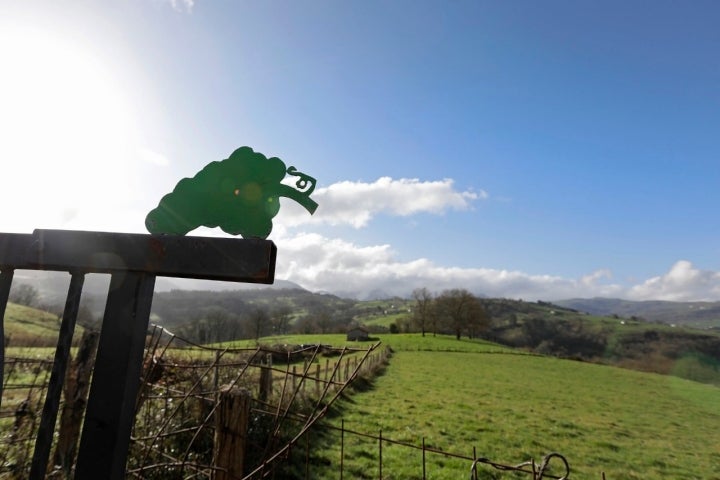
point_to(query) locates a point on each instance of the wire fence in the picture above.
(187, 392)
(231, 413)
(551, 466)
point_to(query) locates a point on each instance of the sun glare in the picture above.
(66, 127)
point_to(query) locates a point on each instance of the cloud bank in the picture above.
(683, 282)
(337, 266)
(321, 263)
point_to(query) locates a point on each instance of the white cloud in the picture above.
(182, 5)
(356, 203)
(338, 266)
(592, 278)
(683, 282)
(323, 264)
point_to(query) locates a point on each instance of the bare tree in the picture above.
(280, 319)
(24, 294)
(258, 320)
(462, 311)
(423, 308)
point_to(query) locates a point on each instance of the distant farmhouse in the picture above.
(358, 334)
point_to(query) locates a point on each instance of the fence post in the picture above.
(317, 380)
(380, 454)
(342, 447)
(266, 379)
(77, 385)
(305, 375)
(423, 457)
(231, 425)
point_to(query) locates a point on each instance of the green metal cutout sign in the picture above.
(239, 194)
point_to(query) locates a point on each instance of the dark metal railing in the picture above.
(133, 261)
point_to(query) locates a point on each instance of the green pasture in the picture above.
(385, 320)
(465, 396)
(511, 408)
(399, 341)
(29, 326)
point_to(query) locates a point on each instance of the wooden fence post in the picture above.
(266, 379)
(77, 386)
(317, 380)
(231, 424)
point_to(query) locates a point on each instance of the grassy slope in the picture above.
(510, 407)
(628, 424)
(382, 313)
(30, 327)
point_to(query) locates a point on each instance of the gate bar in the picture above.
(46, 429)
(6, 276)
(229, 259)
(110, 411)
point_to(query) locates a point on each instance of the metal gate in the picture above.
(133, 261)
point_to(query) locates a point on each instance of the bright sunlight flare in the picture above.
(64, 116)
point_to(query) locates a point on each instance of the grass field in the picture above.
(400, 341)
(511, 408)
(29, 326)
(507, 405)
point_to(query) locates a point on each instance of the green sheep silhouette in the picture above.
(239, 194)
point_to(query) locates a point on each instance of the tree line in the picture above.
(455, 311)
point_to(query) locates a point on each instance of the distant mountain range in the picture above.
(698, 314)
(52, 287)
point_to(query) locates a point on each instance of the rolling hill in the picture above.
(30, 327)
(696, 314)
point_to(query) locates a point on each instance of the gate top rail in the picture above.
(230, 259)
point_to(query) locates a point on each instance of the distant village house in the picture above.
(357, 334)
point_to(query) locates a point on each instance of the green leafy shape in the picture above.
(239, 194)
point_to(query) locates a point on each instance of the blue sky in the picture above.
(536, 150)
